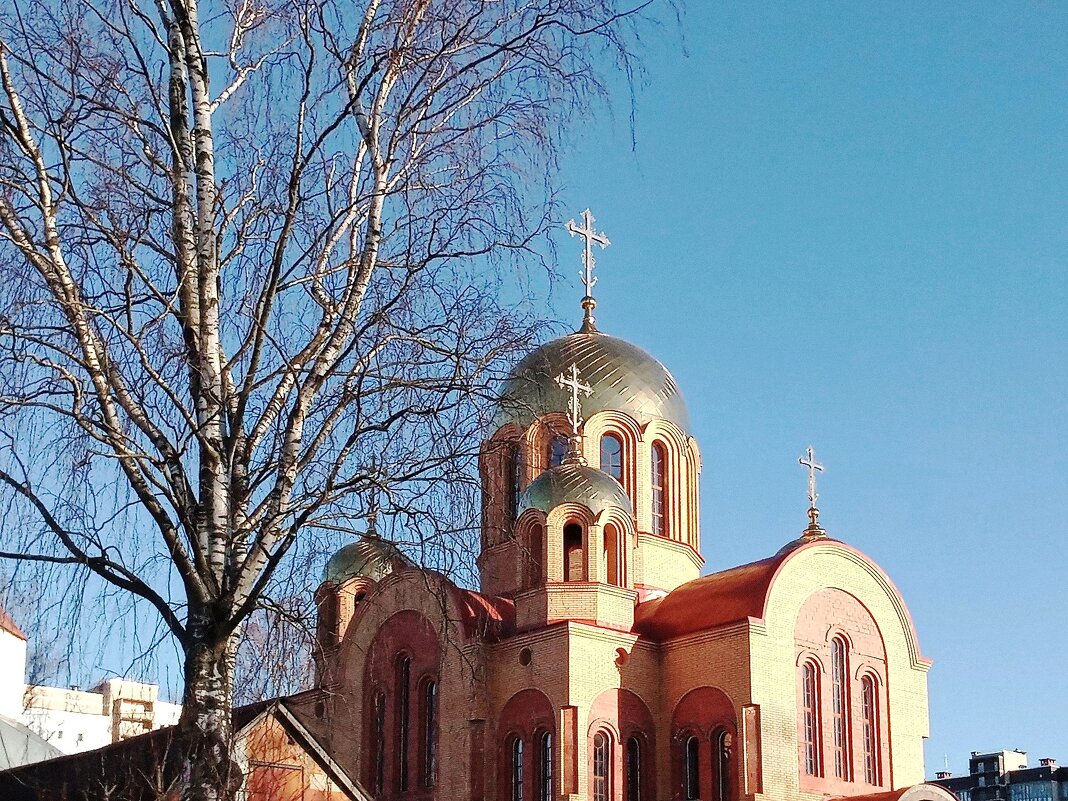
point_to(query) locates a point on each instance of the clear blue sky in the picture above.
(847, 225)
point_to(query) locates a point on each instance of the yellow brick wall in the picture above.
(773, 664)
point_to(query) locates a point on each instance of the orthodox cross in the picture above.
(809, 461)
(591, 237)
(570, 380)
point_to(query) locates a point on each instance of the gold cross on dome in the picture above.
(570, 380)
(809, 461)
(591, 237)
(813, 466)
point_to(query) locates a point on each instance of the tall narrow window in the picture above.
(404, 671)
(430, 732)
(544, 780)
(659, 481)
(612, 456)
(534, 558)
(613, 556)
(574, 567)
(602, 762)
(721, 753)
(378, 743)
(810, 703)
(557, 450)
(870, 710)
(515, 475)
(517, 769)
(840, 708)
(692, 768)
(633, 776)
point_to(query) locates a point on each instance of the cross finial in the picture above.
(372, 503)
(809, 461)
(591, 237)
(570, 380)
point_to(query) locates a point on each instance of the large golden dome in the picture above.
(624, 378)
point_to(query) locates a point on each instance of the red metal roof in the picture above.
(715, 600)
(9, 625)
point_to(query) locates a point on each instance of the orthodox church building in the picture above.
(595, 661)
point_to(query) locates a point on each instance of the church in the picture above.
(595, 661)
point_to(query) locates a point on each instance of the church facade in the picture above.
(595, 661)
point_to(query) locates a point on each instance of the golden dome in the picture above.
(623, 377)
(574, 483)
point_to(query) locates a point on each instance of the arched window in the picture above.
(574, 563)
(612, 456)
(869, 702)
(430, 732)
(515, 478)
(811, 726)
(404, 671)
(632, 770)
(602, 764)
(692, 768)
(613, 556)
(557, 450)
(543, 781)
(378, 743)
(840, 708)
(721, 755)
(517, 769)
(659, 482)
(534, 557)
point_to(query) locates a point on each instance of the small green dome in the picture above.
(574, 483)
(369, 556)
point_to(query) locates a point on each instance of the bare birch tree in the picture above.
(244, 246)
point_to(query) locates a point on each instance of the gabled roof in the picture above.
(145, 767)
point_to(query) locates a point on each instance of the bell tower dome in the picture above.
(634, 481)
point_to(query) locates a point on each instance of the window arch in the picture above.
(517, 768)
(404, 674)
(632, 769)
(658, 475)
(429, 733)
(602, 767)
(574, 558)
(812, 744)
(557, 450)
(722, 741)
(840, 708)
(612, 456)
(869, 703)
(543, 778)
(691, 768)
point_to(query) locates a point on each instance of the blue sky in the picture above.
(847, 225)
